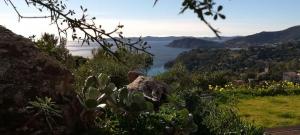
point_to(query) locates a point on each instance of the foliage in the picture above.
(270, 111)
(64, 19)
(51, 45)
(267, 88)
(48, 109)
(166, 121)
(225, 120)
(180, 78)
(177, 77)
(99, 92)
(260, 63)
(101, 63)
(180, 120)
(115, 110)
(111, 109)
(145, 123)
(127, 112)
(203, 8)
(106, 106)
(210, 116)
(213, 118)
(204, 79)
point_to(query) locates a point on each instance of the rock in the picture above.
(27, 73)
(132, 75)
(152, 89)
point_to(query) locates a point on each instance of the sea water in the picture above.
(162, 53)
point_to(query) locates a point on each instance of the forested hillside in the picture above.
(245, 62)
(194, 43)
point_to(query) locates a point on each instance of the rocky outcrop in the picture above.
(152, 89)
(132, 75)
(26, 73)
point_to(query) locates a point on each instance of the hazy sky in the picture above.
(142, 19)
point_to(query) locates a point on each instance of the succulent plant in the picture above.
(99, 93)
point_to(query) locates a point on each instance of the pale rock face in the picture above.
(132, 75)
(152, 89)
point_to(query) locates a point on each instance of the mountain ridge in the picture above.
(265, 38)
(194, 43)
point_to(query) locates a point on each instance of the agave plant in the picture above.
(46, 108)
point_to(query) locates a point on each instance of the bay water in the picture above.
(162, 53)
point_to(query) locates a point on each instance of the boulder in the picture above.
(132, 75)
(152, 89)
(27, 73)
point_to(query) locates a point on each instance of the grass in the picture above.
(271, 111)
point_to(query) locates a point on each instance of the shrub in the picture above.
(224, 120)
(117, 69)
(50, 45)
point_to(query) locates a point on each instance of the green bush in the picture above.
(177, 77)
(112, 109)
(117, 69)
(180, 78)
(224, 120)
(50, 45)
(119, 111)
(214, 118)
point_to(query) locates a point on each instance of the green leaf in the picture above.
(103, 79)
(138, 97)
(91, 103)
(135, 107)
(215, 17)
(92, 93)
(222, 16)
(208, 13)
(149, 106)
(184, 114)
(91, 81)
(220, 8)
(123, 94)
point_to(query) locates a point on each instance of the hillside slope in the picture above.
(194, 43)
(263, 38)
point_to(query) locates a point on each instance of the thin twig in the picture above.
(21, 16)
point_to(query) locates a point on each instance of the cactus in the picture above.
(99, 93)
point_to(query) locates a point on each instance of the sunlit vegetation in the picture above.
(260, 63)
(275, 111)
(270, 104)
(203, 96)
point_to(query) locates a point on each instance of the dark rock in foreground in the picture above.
(26, 73)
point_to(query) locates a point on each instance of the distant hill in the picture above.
(153, 38)
(169, 38)
(263, 38)
(172, 38)
(194, 43)
(278, 59)
(219, 40)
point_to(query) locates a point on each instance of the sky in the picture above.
(140, 18)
